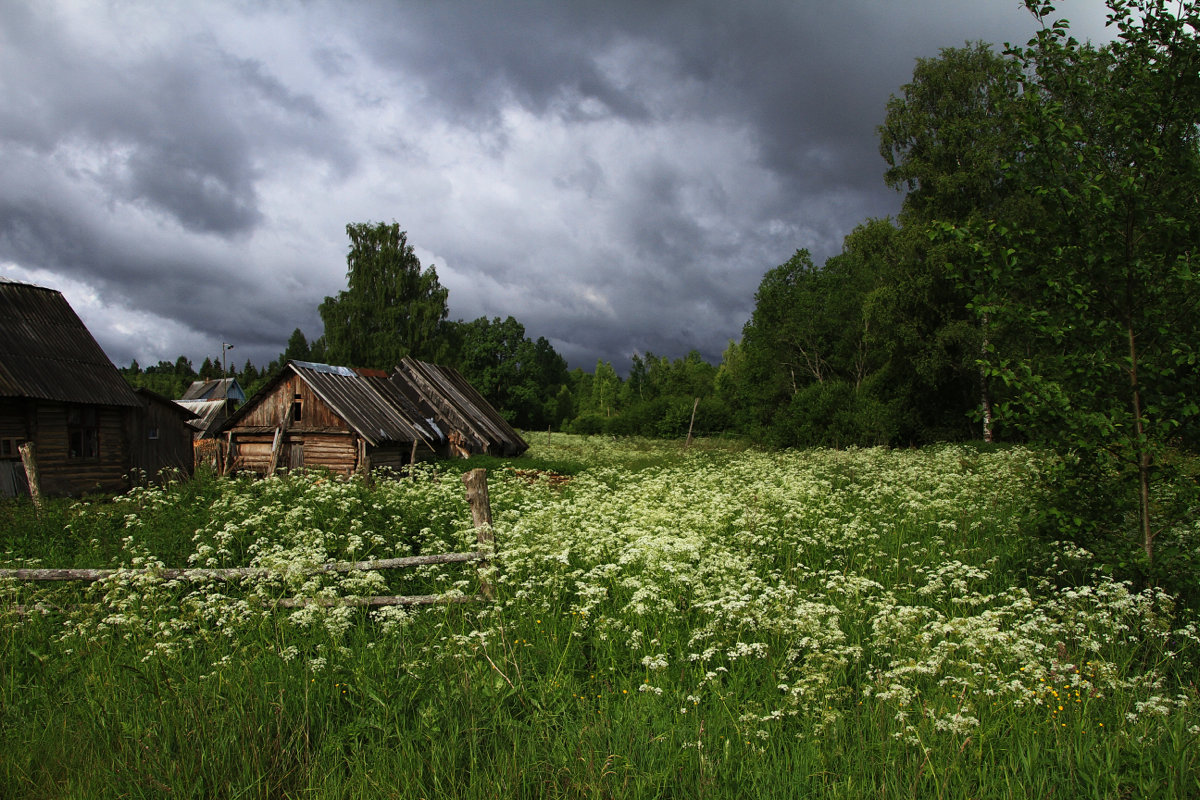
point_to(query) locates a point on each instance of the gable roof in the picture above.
(214, 389)
(47, 353)
(367, 402)
(455, 401)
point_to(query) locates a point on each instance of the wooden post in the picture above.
(275, 448)
(688, 443)
(481, 515)
(412, 461)
(29, 459)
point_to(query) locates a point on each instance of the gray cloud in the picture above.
(617, 176)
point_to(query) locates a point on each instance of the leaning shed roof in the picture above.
(457, 401)
(209, 414)
(368, 403)
(47, 353)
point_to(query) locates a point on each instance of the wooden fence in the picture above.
(481, 515)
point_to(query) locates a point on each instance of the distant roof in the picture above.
(214, 390)
(47, 353)
(369, 404)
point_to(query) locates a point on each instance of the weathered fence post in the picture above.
(29, 459)
(481, 515)
(688, 443)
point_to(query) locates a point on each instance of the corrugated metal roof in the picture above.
(369, 404)
(47, 353)
(209, 414)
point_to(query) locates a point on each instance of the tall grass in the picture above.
(716, 623)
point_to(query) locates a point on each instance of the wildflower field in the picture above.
(721, 622)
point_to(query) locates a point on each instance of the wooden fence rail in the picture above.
(481, 514)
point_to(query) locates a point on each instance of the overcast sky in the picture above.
(616, 175)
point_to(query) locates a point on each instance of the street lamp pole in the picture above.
(225, 375)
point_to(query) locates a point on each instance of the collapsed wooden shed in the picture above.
(59, 391)
(468, 420)
(318, 415)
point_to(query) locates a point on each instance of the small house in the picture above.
(60, 392)
(216, 389)
(317, 415)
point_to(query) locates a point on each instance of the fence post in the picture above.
(481, 515)
(688, 443)
(29, 459)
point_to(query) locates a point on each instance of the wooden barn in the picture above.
(59, 391)
(469, 421)
(317, 415)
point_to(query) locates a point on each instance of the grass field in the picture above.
(718, 623)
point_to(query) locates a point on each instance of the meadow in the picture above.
(720, 622)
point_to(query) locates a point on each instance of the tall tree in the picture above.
(1104, 284)
(391, 308)
(946, 138)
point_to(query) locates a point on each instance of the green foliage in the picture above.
(391, 308)
(1101, 288)
(520, 377)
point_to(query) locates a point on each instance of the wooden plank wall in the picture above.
(320, 439)
(73, 476)
(171, 450)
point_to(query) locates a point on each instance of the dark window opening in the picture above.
(152, 433)
(297, 408)
(83, 433)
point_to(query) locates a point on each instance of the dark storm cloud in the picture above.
(617, 176)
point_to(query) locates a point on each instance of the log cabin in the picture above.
(317, 415)
(60, 392)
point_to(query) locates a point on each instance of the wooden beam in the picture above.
(231, 573)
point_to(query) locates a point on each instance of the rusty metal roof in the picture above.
(47, 353)
(458, 405)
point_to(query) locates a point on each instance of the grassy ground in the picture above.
(717, 623)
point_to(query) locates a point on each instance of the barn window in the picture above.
(9, 448)
(152, 433)
(83, 432)
(297, 408)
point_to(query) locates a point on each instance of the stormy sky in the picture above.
(616, 175)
